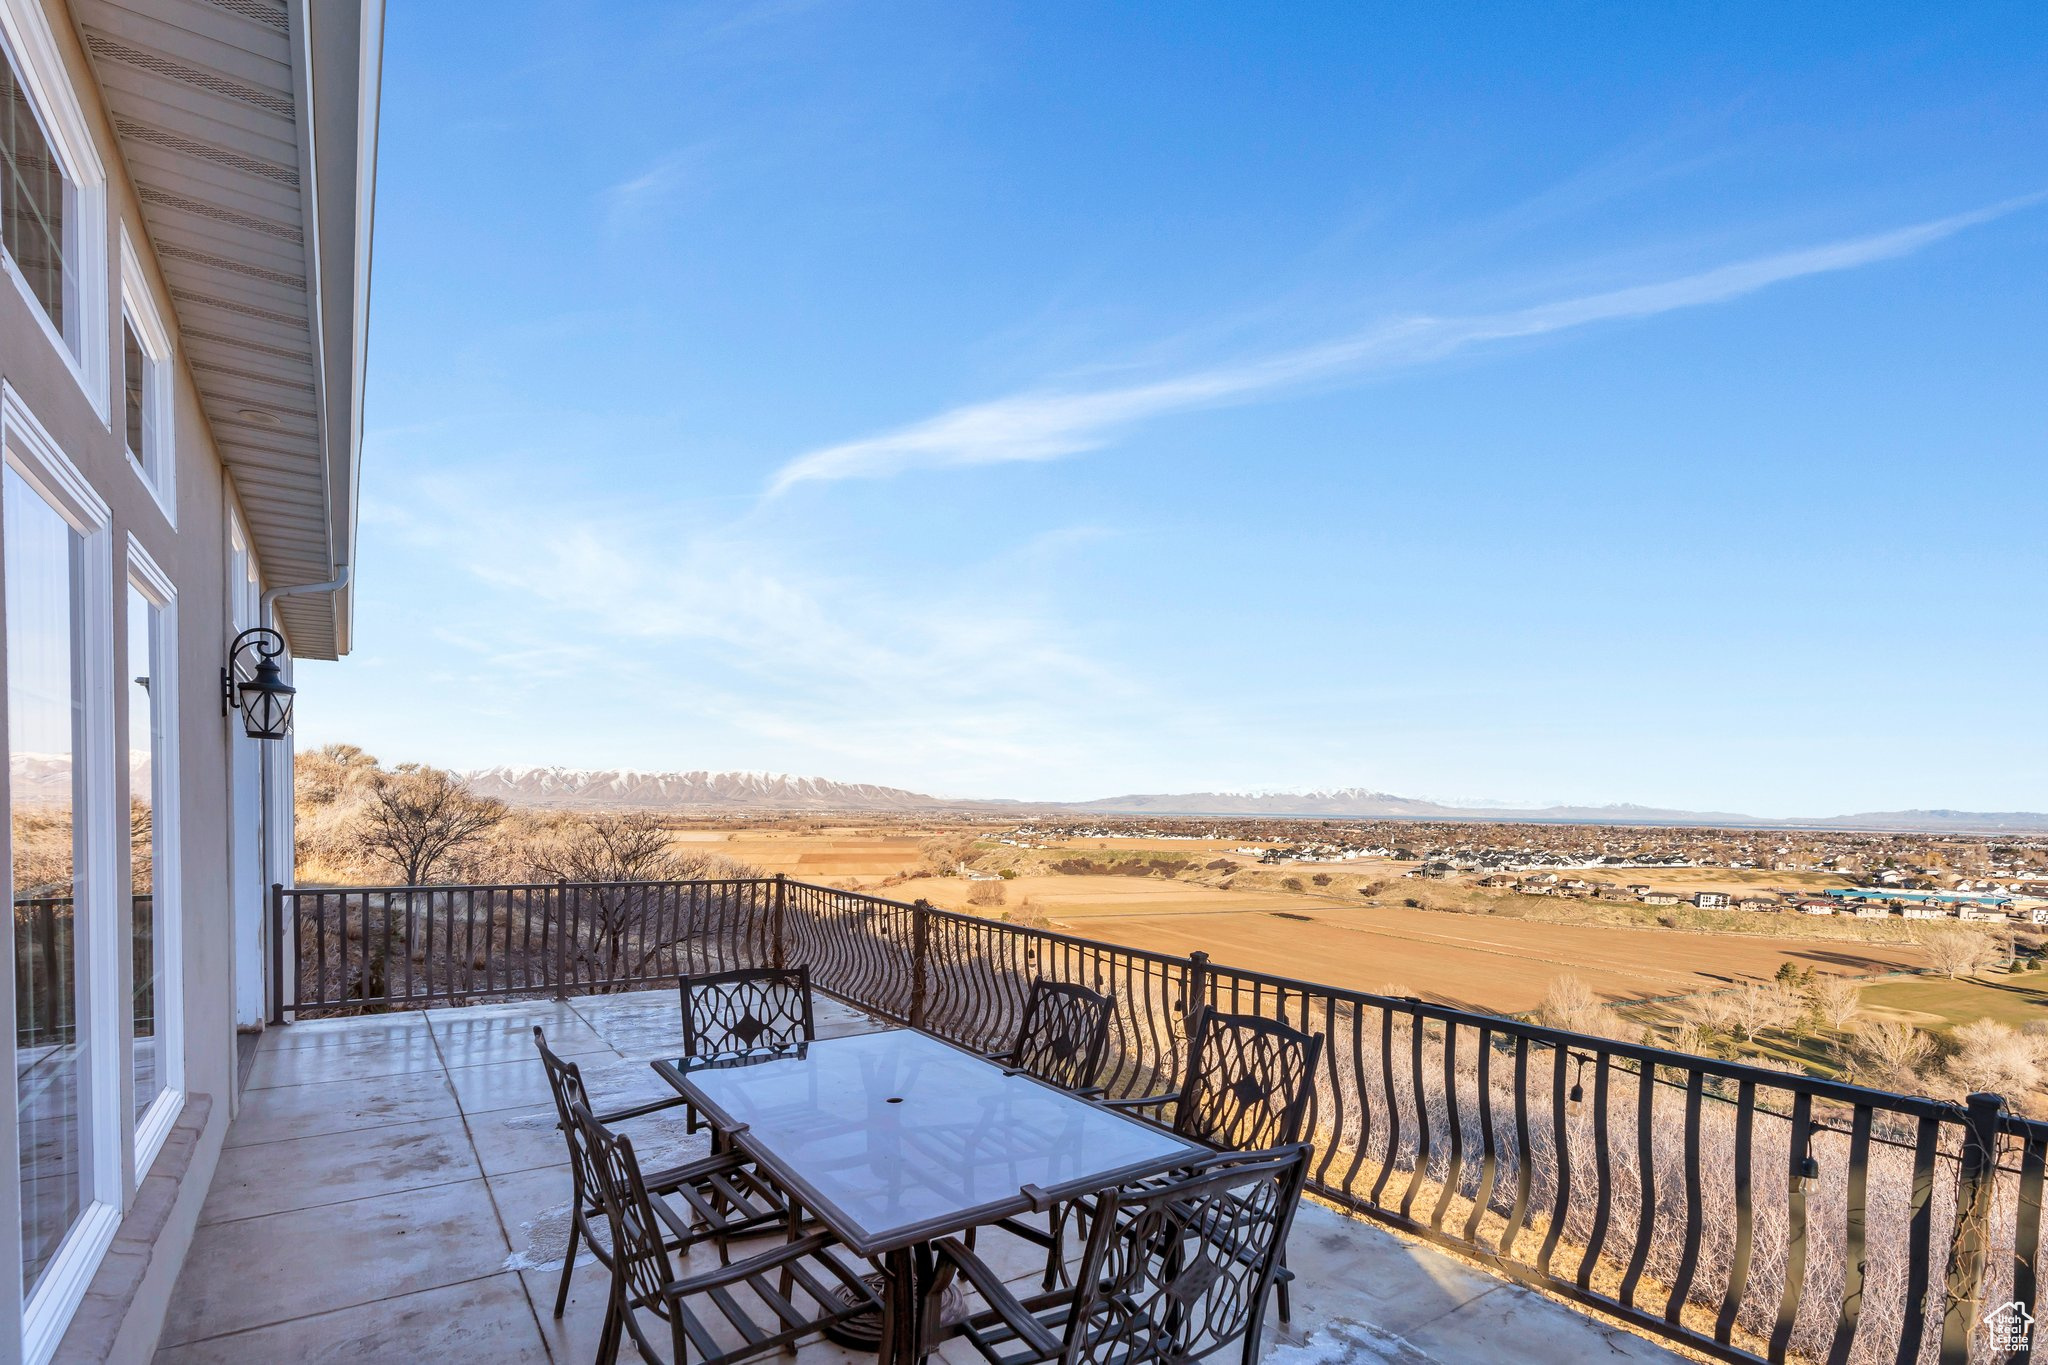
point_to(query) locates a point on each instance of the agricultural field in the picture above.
(1347, 924)
(860, 853)
(1486, 963)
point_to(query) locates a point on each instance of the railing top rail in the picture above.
(291, 891)
(863, 896)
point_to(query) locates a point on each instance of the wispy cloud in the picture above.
(732, 640)
(1049, 424)
(628, 201)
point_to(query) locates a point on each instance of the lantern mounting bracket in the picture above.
(263, 697)
(264, 643)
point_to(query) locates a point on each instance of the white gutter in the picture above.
(271, 595)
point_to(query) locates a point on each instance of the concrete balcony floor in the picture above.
(393, 1189)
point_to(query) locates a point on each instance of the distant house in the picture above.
(1711, 900)
(1816, 907)
(1660, 898)
(1755, 903)
(1872, 912)
(1923, 912)
(1498, 879)
(1639, 888)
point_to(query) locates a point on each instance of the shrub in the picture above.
(1292, 884)
(1570, 1004)
(1997, 1057)
(987, 893)
(1321, 879)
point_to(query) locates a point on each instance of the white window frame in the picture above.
(30, 451)
(158, 465)
(25, 36)
(165, 846)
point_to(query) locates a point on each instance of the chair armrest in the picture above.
(774, 1259)
(1143, 1101)
(635, 1111)
(997, 1295)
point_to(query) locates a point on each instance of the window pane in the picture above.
(131, 371)
(145, 747)
(45, 707)
(32, 197)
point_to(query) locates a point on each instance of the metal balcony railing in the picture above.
(1747, 1212)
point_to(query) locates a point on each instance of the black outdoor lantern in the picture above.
(264, 697)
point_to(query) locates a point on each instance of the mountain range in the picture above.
(711, 792)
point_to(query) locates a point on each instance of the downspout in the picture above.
(271, 595)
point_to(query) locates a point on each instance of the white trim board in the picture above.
(166, 848)
(25, 34)
(159, 424)
(29, 450)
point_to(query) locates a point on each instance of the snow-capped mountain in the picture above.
(682, 791)
(741, 791)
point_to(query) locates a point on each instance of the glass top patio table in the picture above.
(895, 1138)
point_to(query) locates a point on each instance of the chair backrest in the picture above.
(742, 1010)
(1064, 1035)
(1249, 1084)
(1179, 1268)
(565, 1083)
(639, 1260)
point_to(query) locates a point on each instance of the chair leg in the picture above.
(1254, 1330)
(1055, 1227)
(608, 1339)
(569, 1258)
(1286, 1305)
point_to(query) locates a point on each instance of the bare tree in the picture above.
(625, 919)
(419, 820)
(1892, 1055)
(1837, 1000)
(1756, 1006)
(1958, 952)
(616, 846)
(987, 894)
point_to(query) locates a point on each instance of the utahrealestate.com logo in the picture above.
(2011, 1327)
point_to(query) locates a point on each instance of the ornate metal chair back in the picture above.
(741, 1010)
(1249, 1084)
(565, 1084)
(1065, 1034)
(1180, 1268)
(640, 1262)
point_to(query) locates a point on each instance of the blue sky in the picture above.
(1639, 403)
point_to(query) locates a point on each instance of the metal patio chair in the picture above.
(1063, 1041)
(1064, 1037)
(745, 1009)
(754, 1007)
(748, 1308)
(1173, 1271)
(1249, 1084)
(725, 1196)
